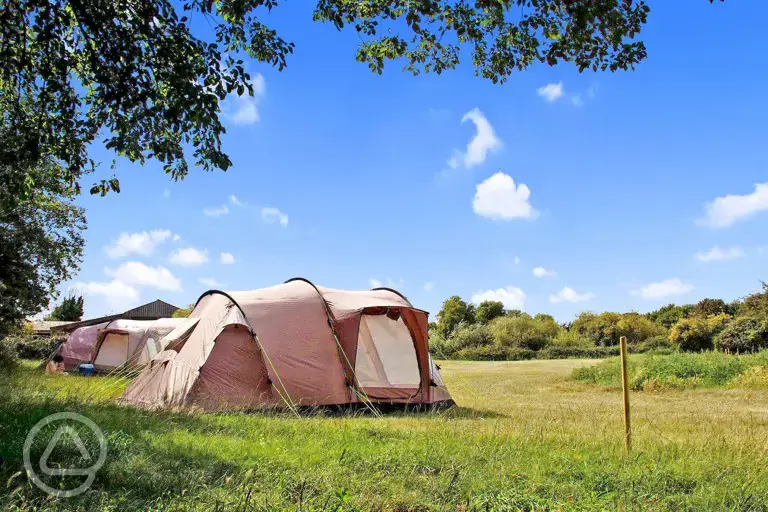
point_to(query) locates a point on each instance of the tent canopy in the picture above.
(296, 343)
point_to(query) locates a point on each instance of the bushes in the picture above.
(756, 378)
(743, 335)
(32, 347)
(471, 335)
(605, 329)
(495, 353)
(653, 344)
(582, 352)
(8, 356)
(523, 332)
(709, 324)
(569, 338)
(691, 335)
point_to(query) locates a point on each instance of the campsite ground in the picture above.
(525, 436)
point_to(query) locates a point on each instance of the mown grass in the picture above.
(681, 371)
(526, 437)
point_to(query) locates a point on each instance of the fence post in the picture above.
(625, 386)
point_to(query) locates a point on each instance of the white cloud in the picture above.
(718, 254)
(226, 258)
(375, 283)
(270, 215)
(176, 238)
(138, 274)
(455, 161)
(511, 296)
(570, 295)
(137, 243)
(517, 260)
(499, 198)
(429, 286)
(189, 257)
(210, 282)
(576, 100)
(166, 193)
(234, 200)
(725, 210)
(484, 141)
(245, 109)
(663, 289)
(216, 212)
(117, 294)
(551, 92)
(543, 272)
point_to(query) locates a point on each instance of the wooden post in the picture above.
(625, 386)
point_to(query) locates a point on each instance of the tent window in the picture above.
(386, 356)
(113, 351)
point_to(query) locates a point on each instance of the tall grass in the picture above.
(525, 437)
(678, 371)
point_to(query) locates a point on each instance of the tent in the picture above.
(131, 343)
(294, 343)
(80, 345)
(118, 343)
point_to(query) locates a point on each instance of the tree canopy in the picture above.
(738, 326)
(41, 244)
(488, 310)
(141, 75)
(70, 309)
(143, 79)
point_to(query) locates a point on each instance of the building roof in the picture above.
(149, 311)
(45, 326)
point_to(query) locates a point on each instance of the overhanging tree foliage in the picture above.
(148, 76)
(144, 76)
(41, 243)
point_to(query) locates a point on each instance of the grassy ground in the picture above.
(526, 437)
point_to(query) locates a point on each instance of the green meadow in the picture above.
(528, 435)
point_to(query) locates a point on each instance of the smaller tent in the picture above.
(111, 345)
(80, 345)
(130, 343)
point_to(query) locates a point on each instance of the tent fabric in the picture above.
(110, 345)
(80, 346)
(131, 343)
(295, 344)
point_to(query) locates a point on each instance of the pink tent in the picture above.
(296, 344)
(80, 345)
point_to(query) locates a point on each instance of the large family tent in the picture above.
(296, 344)
(117, 344)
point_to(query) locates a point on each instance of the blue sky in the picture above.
(347, 178)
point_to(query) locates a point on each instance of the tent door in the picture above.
(113, 352)
(386, 356)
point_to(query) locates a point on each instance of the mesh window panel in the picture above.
(113, 352)
(386, 356)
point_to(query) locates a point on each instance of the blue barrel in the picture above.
(86, 370)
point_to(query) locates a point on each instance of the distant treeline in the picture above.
(489, 332)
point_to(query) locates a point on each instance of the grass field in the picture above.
(525, 437)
